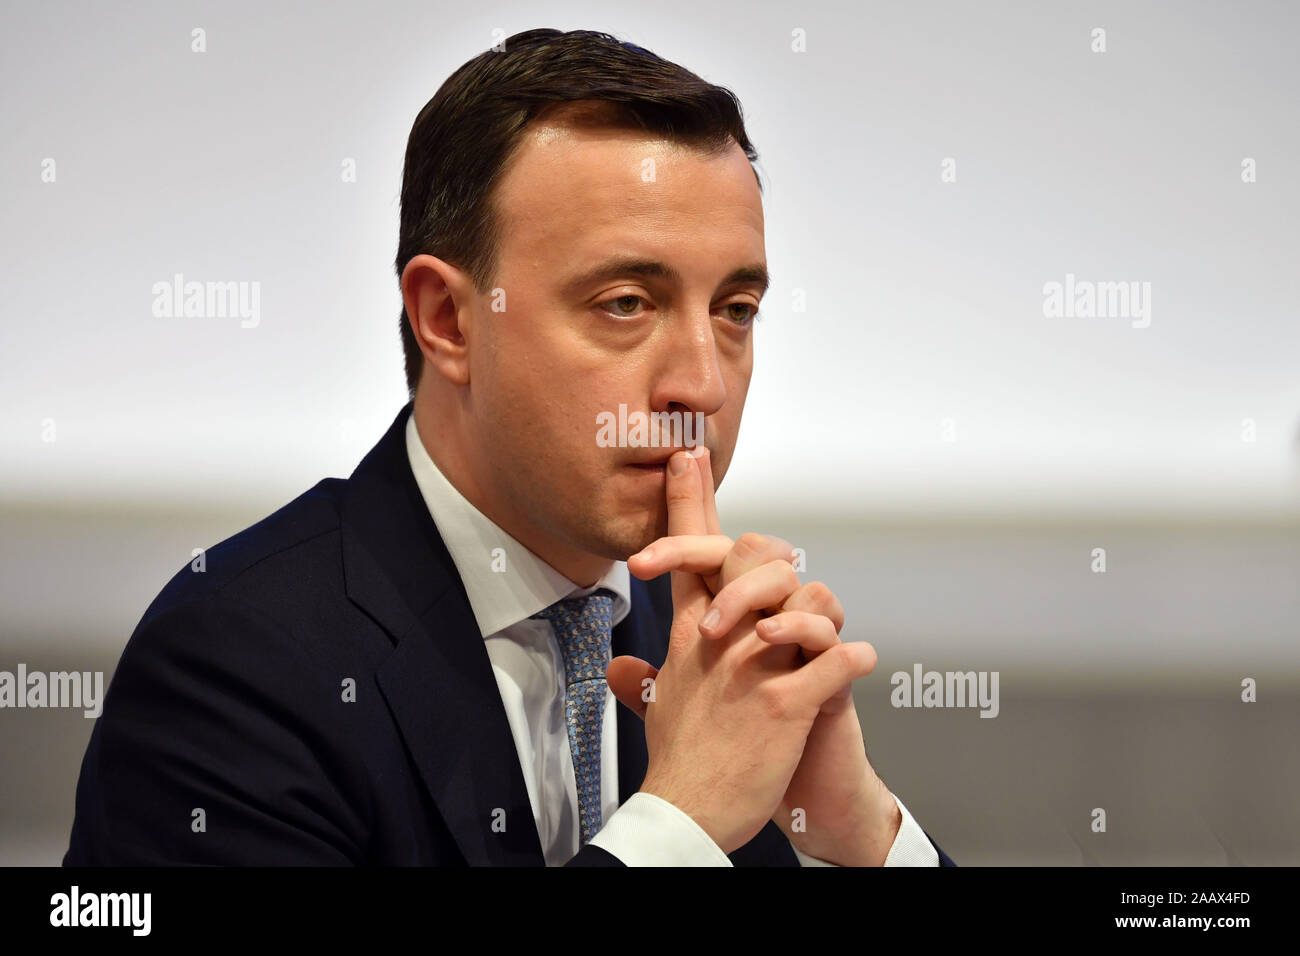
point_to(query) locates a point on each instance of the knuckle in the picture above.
(819, 593)
(859, 659)
(774, 701)
(846, 657)
(679, 494)
(733, 592)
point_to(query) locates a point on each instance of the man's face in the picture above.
(572, 343)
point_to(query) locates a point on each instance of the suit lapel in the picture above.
(438, 682)
(644, 634)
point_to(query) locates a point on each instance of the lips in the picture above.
(660, 460)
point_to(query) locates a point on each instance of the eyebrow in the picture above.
(753, 274)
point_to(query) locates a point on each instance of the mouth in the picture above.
(654, 470)
(660, 463)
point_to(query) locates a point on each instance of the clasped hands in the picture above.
(752, 716)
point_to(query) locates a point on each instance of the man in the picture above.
(413, 666)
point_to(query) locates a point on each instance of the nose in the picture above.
(690, 379)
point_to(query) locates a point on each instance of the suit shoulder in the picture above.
(301, 534)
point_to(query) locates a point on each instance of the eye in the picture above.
(745, 319)
(619, 301)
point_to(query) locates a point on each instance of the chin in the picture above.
(625, 537)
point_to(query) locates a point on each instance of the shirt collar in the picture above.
(505, 582)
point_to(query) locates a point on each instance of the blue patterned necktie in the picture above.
(582, 629)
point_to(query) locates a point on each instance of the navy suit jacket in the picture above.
(320, 694)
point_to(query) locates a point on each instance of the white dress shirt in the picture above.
(646, 830)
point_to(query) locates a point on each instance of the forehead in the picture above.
(579, 191)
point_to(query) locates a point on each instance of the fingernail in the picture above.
(710, 620)
(770, 625)
(695, 452)
(646, 553)
(677, 465)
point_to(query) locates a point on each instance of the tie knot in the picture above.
(582, 629)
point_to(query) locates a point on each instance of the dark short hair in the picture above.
(464, 136)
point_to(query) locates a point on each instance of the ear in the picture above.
(437, 296)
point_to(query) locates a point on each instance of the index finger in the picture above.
(685, 495)
(706, 479)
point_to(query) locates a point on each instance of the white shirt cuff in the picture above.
(649, 831)
(911, 846)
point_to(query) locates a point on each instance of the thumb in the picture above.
(627, 678)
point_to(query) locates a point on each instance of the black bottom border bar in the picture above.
(247, 904)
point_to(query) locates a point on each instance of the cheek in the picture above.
(737, 382)
(743, 369)
(737, 393)
(550, 418)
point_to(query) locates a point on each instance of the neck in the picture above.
(448, 453)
